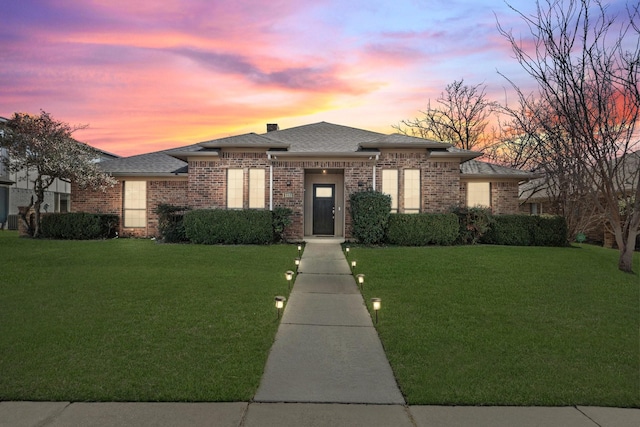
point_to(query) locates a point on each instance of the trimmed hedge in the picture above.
(229, 227)
(422, 229)
(370, 212)
(78, 226)
(527, 230)
(171, 223)
(473, 222)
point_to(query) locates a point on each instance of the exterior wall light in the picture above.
(279, 304)
(289, 276)
(360, 278)
(376, 306)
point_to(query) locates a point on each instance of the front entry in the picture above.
(324, 204)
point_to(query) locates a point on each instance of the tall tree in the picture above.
(581, 120)
(460, 117)
(45, 148)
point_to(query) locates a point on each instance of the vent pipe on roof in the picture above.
(272, 127)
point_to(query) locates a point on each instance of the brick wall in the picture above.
(440, 180)
(504, 198)
(110, 201)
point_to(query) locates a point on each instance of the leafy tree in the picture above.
(45, 148)
(580, 123)
(460, 117)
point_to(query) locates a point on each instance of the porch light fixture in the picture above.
(376, 306)
(360, 278)
(279, 304)
(289, 276)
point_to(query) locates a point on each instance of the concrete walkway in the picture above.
(326, 352)
(326, 348)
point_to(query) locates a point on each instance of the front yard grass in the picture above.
(491, 325)
(132, 320)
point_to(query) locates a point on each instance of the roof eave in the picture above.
(184, 155)
(426, 145)
(465, 155)
(267, 145)
(521, 178)
(357, 154)
(150, 174)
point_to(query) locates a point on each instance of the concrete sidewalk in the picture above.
(326, 349)
(242, 414)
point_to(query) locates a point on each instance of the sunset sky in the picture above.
(149, 75)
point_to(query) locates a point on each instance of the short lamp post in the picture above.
(289, 276)
(346, 250)
(299, 250)
(376, 306)
(297, 262)
(353, 265)
(279, 304)
(360, 279)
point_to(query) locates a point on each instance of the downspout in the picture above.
(270, 182)
(374, 172)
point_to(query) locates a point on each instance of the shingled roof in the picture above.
(323, 137)
(314, 139)
(478, 169)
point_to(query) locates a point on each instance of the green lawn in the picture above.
(491, 325)
(132, 320)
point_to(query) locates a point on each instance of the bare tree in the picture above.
(460, 117)
(44, 147)
(581, 121)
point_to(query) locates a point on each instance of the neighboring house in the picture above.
(16, 189)
(536, 198)
(311, 169)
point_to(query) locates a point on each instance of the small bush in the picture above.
(370, 212)
(78, 226)
(281, 218)
(171, 223)
(473, 224)
(230, 227)
(527, 230)
(422, 229)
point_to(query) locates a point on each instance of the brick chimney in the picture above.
(272, 127)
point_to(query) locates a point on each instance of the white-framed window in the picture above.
(535, 208)
(256, 188)
(390, 186)
(479, 194)
(411, 190)
(135, 204)
(235, 187)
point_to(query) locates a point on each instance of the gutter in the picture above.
(270, 182)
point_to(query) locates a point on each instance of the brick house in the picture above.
(310, 169)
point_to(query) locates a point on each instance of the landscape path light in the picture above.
(376, 306)
(299, 250)
(346, 250)
(360, 278)
(353, 265)
(297, 262)
(289, 276)
(279, 304)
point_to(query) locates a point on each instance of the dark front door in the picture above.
(324, 202)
